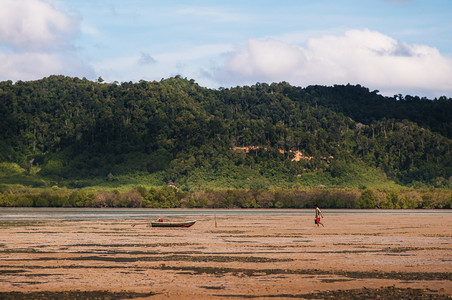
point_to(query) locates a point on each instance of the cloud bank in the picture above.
(361, 57)
(36, 40)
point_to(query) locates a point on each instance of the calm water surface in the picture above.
(37, 214)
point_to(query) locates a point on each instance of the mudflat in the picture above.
(245, 256)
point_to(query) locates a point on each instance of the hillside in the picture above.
(76, 133)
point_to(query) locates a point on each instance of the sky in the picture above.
(393, 46)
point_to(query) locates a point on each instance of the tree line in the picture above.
(168, 197)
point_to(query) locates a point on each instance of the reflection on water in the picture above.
(36, 214)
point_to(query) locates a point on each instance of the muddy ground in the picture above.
(352, 257)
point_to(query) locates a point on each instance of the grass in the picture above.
(121, 183)
(17, 179)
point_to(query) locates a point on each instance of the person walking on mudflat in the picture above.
(318, 214)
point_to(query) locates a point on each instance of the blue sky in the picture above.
(394, 46)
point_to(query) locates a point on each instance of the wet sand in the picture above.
(244, 257)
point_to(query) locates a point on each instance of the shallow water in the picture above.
(38, 214)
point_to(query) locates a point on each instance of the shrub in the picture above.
(218, 198)
(410, 199)
(264, 198)
(367, 199)
(427, 201)
(23, 200)
(80, 199)
(436, 199)
(391, 200)
(6, 199)
(7, 168)
(105, 199)
(162, 198)
(43, 200)
(132, 198)
(142, 190)
(53, 166)
(197, 199)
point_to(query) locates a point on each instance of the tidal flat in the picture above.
(356, 256)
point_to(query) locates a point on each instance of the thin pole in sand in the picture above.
(216, 225)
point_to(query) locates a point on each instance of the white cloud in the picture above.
(266, 59)
(15, 65)
(362, 57)
(34, 25)
(36, 40)
(187, 62)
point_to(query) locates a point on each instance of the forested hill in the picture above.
(255, 136)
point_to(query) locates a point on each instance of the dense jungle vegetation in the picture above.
(66, 137)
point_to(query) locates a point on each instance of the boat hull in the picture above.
(173, 224)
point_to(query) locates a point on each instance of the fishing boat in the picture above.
(172, 224)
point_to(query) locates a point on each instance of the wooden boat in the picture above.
(173, 224)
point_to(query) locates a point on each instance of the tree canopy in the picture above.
(251, 136)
